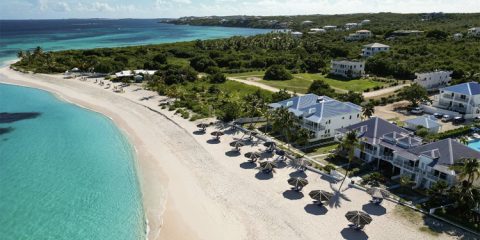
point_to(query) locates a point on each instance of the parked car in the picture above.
(417, 110)
(458, 120)
(476, 119)
(447, 118)
(438, 115)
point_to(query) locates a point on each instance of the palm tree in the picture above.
(368, 110)
(38, 51)
(21, 54)
(463, 140)
(286, 123)
(349, 143)
(467, 169)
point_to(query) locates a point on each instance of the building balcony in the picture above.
(432, 176)
(370, 151)
(447, 96)
(459, 99)
(313, 128)
(408, 167)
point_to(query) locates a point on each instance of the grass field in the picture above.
(302, 81)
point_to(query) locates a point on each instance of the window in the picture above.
(358, 115)
(350, 116)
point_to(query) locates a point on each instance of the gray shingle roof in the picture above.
(374, 128)
(315, 108)
(446, 151)
(470, 88)
(423, 121)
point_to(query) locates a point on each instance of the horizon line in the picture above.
(199, 16)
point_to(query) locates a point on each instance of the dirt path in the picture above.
(383, 91)
(260, 85)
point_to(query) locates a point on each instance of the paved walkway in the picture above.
(260, 85)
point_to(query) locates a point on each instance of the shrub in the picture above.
(329, 167)
(217, 78)
(277, 72)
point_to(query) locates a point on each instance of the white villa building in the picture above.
(358, 35)
(348, 68)
(129, 73)
(462, 98)
(297, 34)
(329, 27)
(351, 25)
(364, 22)
(474, 32)
(397, 152)
(321, 115)
(433, 80)
(374, 48)
(457, 36)
(317, 30)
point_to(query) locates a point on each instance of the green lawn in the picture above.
(302, 81)
(178, 61)
(245, 75)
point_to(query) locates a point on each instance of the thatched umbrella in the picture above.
(202, 126)
(358, 218)
(281, 153)
(251, 134)
(270, 145)
(378, 193)
(298, 182)
(320, 196)
(237, 144)
(252, 155)
(217, 134)
(268, 166)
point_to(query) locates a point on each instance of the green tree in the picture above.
(217, 78)
(160, 58)
(468, 169)
(349, 142)
(352, 97)
(438, 193)
(281, 95)
(368, 110)
(285, 123)
(20, 54)
(321, 88)
(201, 63)
(414, 94)
(277, 72)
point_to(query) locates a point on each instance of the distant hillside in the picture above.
(379, 22)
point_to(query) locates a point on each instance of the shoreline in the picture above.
(193, 189)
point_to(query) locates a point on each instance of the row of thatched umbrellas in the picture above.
(358, 218)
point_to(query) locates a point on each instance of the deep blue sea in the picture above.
(67, 172)
(16, 35)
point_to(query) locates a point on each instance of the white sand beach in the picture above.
(192, 189)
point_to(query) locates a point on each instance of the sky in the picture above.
(53, 9)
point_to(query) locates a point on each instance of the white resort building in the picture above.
(321, 115)
(474, 32)
(348, 68)
(433, 80)
(374, 48)
(329, 27)
(358, 35)
(397, 152)
(351, 25)
(462, 98)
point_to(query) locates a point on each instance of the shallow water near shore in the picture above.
(65, 172)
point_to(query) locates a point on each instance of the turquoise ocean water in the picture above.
(65, 172)
(53, 35)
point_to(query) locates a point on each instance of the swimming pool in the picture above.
(475, 144)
